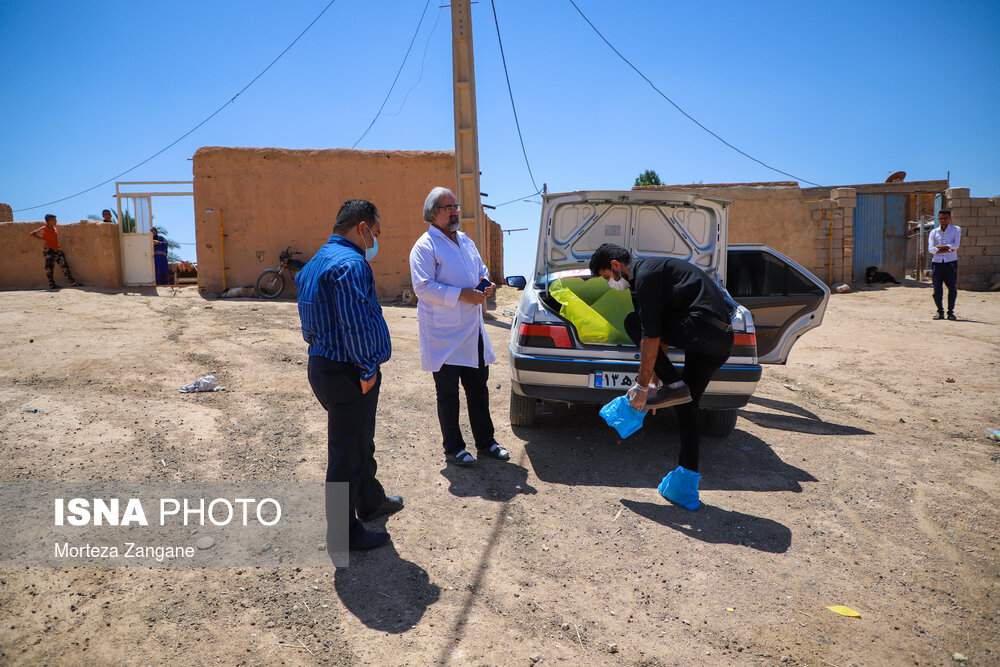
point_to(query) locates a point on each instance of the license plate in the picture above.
(612, 380)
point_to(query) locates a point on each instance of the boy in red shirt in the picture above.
(53, 254)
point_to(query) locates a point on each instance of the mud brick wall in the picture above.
(93, 253)
(495, 261)
(268, 198)
(6, 214)
(979, 254)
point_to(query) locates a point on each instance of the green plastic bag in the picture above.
(597, 311)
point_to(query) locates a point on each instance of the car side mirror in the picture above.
(516, 281)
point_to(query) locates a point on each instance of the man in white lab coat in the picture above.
(452, 283)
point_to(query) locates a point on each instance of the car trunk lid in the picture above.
(647, 223)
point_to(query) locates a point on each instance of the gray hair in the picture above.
(431, 203)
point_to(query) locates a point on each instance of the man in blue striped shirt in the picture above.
(348, 339)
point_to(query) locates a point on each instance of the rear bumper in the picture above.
(568, 380)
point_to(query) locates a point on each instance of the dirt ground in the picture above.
(859, 475)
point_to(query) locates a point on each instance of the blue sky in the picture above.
(833, 95)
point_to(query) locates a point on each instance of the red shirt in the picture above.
(51, 236)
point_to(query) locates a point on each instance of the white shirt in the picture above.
(449, 329)
(949, 237)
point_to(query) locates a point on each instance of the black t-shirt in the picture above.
(669, 291)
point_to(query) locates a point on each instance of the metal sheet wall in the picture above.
(879, 234)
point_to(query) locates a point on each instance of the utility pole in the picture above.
(466, 126)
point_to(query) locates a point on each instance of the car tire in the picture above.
(719, 423)
(522, 410)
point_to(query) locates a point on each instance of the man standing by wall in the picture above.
(677, 304)
(52, 252)
(452, 283)
(943, 245)
(348, 340)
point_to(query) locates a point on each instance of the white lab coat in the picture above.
(449, 329)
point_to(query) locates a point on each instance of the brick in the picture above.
(979, 201)
(956, 203)
(957, 193)
(837, 193)
(960, 212)
(992, 209)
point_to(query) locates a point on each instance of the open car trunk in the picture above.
(596, 312)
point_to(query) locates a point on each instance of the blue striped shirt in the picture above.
(341, 317)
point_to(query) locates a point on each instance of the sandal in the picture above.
(495, 451)
(75, 284)
(461, 458)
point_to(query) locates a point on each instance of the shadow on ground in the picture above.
(717, 526)
(575, 447)
(488, 479)
(799, 420)
(385, 591)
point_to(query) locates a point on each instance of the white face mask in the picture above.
(621, 284)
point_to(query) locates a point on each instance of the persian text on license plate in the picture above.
(612, 380)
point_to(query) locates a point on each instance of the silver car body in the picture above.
(650, 224)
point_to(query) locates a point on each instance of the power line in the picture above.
(398, 72)
(689, 116)
(519, 199)
(183, 136)
(423, 60)
(511, 93)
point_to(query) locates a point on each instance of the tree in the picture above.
(648, 177)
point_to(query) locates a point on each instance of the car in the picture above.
(567, 344)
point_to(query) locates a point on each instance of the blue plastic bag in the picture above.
(622, 417)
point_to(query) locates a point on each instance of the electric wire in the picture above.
(398, 72)
(510, 92)
(183, 136)
(423, 60)
(536, 192)
(689, 116)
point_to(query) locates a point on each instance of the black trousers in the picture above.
(350, 434)
(706, 349)
(477, 398)
(945, 273)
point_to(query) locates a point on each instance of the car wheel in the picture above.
(522, 410)
(719, 423)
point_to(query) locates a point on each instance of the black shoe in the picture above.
(951, 316)
(665, 397)
(939, 316)
(390, 505)
(494, 451)
(53, 288)
(461, 458)
(369, 539)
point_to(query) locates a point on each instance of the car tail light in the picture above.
(744, 345)
(545, 335)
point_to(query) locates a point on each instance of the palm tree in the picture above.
(128, 222)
